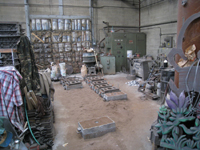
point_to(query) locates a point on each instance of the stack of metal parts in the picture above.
(60, 40)
(105, 90)
(7, 59)
(10, 33)
(71, 83)
(42, 126)
(41, 117)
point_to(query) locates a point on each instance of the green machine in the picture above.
(108, 63)
(117, 44)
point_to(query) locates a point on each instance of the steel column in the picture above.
(139, 16)
(61, 12)
(26, 7)
(91, 12)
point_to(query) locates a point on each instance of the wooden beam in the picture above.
(37, 37)
(7, 50)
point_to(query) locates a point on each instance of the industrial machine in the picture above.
(118, 44)
(108, 63)
(141, 67)
(89, 59)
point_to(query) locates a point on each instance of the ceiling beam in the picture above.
(130, 3)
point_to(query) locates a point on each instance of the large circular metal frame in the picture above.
(183, 85)
(179, 49)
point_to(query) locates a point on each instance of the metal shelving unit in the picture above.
(63, 45)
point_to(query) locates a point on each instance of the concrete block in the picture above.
(115, 96)
(96, 127)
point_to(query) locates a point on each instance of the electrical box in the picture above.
(108, 63)
(118, 44)
(169, 41)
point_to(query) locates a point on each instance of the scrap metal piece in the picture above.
(96, 127)
(115, 96)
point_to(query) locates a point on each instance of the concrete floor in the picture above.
(133, 117)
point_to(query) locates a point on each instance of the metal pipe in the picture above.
(91, 11)
(157, 24)
(154, 28)
(57, 17)
(107, 26)
(54, 5)
(101, 41)
(139, 16)
(114, 26)
(61, 12)
(106, 34)
(153, 3)
(169, 34)
(26, 7)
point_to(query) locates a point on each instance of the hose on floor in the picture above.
(29, 122)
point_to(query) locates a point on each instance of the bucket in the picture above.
(62, 69)
(165, 63)
(83, 70)
(129, 53)
(159, 89)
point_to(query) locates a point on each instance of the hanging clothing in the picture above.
(10, 86)
(28, 69)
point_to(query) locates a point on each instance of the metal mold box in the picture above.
(96, 127)
(115, 96)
